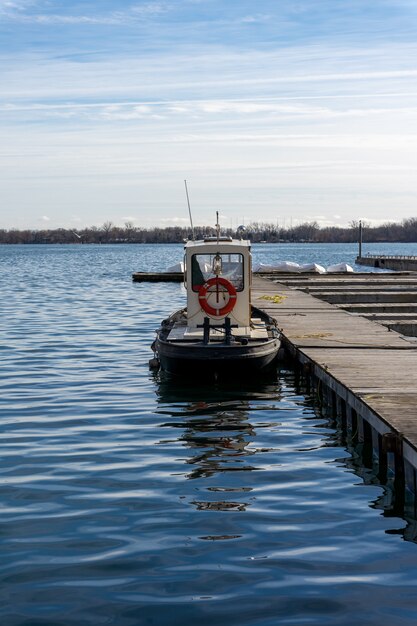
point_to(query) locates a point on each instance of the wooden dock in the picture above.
(390, 262)
(389, 298)
(372, 369)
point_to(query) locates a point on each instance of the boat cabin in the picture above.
(218, 282)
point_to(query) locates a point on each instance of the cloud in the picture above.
(261, 112)
(139, 112)
(377, 221)
(16, 5)
(151, 8)
(174, 220)
(247, 84)
(158, 220)
(20, 11)
(255, 19)
(16, 9)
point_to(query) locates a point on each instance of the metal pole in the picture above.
(189, 209)
(360, 239)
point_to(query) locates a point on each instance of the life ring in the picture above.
(205, 290)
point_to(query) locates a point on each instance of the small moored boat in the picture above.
(219, 332)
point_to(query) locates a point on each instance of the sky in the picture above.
(279, 111)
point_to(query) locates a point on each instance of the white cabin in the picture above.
(218, 275)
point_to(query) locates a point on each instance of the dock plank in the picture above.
(377, 378)
(377, 365)
(307, 321)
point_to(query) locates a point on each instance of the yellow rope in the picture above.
(275, 299)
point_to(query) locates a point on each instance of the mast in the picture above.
(189, 210)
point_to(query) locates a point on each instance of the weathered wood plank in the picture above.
(307, 321)
(366, 359)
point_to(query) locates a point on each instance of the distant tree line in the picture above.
(405, 231)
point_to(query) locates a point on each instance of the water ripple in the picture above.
(128, 498)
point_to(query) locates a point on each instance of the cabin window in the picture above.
(202, 269)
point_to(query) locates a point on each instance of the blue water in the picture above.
(128, 499)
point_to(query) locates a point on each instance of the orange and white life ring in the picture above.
(207, 289)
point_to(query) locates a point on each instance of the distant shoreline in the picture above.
(307, 232)
(177, 243)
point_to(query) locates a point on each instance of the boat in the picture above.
(219, 332)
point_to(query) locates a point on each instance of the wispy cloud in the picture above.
(16, 5)
(16, 9)
(255, 19)
(228, 76)
(272, 111)
(31, 11)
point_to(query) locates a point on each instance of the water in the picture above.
(129, 499)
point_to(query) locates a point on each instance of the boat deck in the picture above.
(180, 332)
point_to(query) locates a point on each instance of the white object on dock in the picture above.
(340, 268)
(178, 267)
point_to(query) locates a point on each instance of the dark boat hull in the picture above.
(196, 359)
(231, 360)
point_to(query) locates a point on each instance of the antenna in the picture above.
(217, 226)
(189, 210)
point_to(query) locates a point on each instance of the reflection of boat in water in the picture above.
(218, 428)
(219, 332)
(216, 433)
